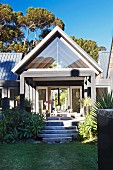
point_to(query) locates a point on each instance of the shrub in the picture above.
(88, 127)
(27, 103)
(20, 126)
(105, 102)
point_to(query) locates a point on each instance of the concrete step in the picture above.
(58, 127)
(58, 135)
(65, 123)
(53, 118)
(57, 140)
(60, 131)
(55, 123)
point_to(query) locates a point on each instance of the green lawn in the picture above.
(68, 156)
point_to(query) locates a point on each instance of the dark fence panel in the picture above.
(5, 103)
(105, 142)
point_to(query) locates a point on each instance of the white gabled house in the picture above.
(57, 62)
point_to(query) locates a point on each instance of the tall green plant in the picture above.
(88, 127)
(86, 102)
(105, 102)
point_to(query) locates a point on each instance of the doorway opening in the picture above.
(62, 98)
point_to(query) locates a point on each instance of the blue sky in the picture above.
(87, 19)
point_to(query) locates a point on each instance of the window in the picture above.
(13, 94)
(58, 55)
(100, 91)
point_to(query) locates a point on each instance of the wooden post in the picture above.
(93, 87)
(58, 96)
(22, 107)
(85, 87)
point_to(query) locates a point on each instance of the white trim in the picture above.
(35, 73)
(63, 34)
(57, 78)
(57, 69)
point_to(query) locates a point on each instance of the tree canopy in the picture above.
(9, 28)
(89, 46)
(15, 27)
(15, 30)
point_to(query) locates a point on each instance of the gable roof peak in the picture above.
(68, 41)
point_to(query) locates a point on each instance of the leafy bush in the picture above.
(86, 102)
(27, 103)
(88, 127)
(20, 126)
(105, 102)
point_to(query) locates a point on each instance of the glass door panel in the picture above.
(76, 98)
(42, 100)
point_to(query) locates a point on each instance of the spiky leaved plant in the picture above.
(105, 102)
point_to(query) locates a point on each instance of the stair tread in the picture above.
(59, 131)
(60, 126)
(58, 135)
(59, 138)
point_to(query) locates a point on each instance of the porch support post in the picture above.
(69, 98)
(37, 100)
(89, 86)
(111, 81)
(34, 99)
(49, 99)
(93, 87)
(22, 92)
(58, 96)
(85, 87)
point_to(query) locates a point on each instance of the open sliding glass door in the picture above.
(41, 99)
(76, 97)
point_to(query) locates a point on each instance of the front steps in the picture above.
(59, 131)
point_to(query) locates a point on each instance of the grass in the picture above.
(68, 156)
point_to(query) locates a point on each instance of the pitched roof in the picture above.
(103, 60)
(58, 32)
(7, 62)
(110, 66)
